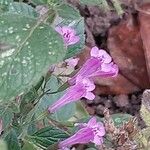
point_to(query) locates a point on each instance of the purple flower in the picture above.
(68, 34)
(99, 64)
(92, 131)
(82, 88)
(72, 62)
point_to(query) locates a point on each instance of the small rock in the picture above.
(97, 99)
(134, 99)
(108, 103)
(100, 109)
(121, 100)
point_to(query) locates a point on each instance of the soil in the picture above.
(97, 23)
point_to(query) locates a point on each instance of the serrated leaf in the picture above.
(6, 115)
(65, 113)
(12, 141)
(22, 9)
(68, 12)
(29, 48)
(48, 136)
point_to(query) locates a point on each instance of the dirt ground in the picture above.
(126, 92)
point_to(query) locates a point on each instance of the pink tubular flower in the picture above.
(100, 64)
(82, 88)
(68, 34)
(72, 62)
(89, 132)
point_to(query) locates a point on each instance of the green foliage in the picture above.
(39, 2)
(6, 114)
(12, 141)
(64, 113)
(22, 9)
(68, 12)
(3, 145)
(4, 4)
(24, 58)
(47, 136)
(28, 146)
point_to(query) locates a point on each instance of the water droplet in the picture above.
(10, 29)
(17, 37)
(24, 29)
(7, 53)
(41, 27)
(28, 26)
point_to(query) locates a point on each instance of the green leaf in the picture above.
(39, 2)
(28, 49)
(65, 113)
(12, 141)
(102, 3)
(47, 136)
(6, 114)
(68, 12)
(80, 112)
(22, 9)
(4, 4)
(28, 146)
(120, 119)
(3, 145)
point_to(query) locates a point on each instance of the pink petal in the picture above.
(100, 129)
(98, 140)
(106, 70)
(74, 93)
(59, 30)
(72, 62)
(92, 122)
(89, 67)
(73, 40)
(95, 52)
(69, 30)
(83, 136)
(90, 86)
(89, 96)
(106, 58)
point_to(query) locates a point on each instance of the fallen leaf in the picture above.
(125, 45)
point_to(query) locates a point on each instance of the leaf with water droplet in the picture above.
(4, 4)
(22, 9)
(33, 49)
